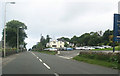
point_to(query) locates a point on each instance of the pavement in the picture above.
(39, 63)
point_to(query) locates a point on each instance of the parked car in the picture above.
(80, 48)
(69, 49)
(98, 47)
(106, 46)
(51, 49)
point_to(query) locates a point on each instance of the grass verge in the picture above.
(98, 62)
(0, 50)
(49, 52)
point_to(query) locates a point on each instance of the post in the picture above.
(113, 46)
(5, 27)
(5, 31)
(17, 39)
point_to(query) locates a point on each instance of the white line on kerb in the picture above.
(40, 60)
(46, 65)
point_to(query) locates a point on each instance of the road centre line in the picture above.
(46, 65)
(37, 57)
(40, 60)
(56, 74)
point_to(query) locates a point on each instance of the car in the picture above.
(106, 46)
(51, 49)
(69, 49)
(98, 47)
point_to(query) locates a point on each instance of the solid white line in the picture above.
(40, 60)
(46, 65)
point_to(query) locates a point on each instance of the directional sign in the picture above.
(117, 27)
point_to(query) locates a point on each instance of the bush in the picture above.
(109, 57)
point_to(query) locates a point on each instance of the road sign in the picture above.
(117, 27)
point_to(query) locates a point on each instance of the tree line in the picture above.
(86, 39)
(92, 39)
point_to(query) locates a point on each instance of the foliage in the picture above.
(98, 62)
(92, 39)
(42, 44)
(110, 57)
(12, 29)
(100, 58)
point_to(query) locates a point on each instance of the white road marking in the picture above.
(56, 74)
(33, 53)
(64, 57)
(46, 65)
(40, 60)
(37, 57)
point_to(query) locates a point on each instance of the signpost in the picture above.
(116, 30)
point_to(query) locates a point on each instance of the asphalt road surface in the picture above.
(39, 63)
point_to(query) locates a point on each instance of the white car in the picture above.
(51, 49)
(106, 46)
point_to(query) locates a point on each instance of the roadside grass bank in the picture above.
(107, 49)
(48, 52)
(111, 60)
(0, 50)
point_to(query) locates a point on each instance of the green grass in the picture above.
(107, 49)
(49, 52)
(0, 50)
(98, 62)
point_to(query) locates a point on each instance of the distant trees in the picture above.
(12, 29)
(86, 39)
(42, 44)
(92, 39)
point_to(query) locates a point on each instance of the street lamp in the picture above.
(5, 26)
(18, 38)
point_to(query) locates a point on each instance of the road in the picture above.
(39, 63)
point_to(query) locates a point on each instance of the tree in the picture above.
(43, 41)
(63, 39)
(48, 39)
(11, 33)
(74, 40)
(106, 35)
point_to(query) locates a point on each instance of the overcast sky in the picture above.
(59, 18)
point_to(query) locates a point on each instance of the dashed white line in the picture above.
(56, 74)
(46, 65)
(37, 57)
(40, 60)
(33, 53)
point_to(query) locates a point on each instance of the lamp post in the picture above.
(5, 26)
(18, 38)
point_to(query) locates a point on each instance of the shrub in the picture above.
(109, 57)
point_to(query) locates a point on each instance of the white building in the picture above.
(55, 44)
